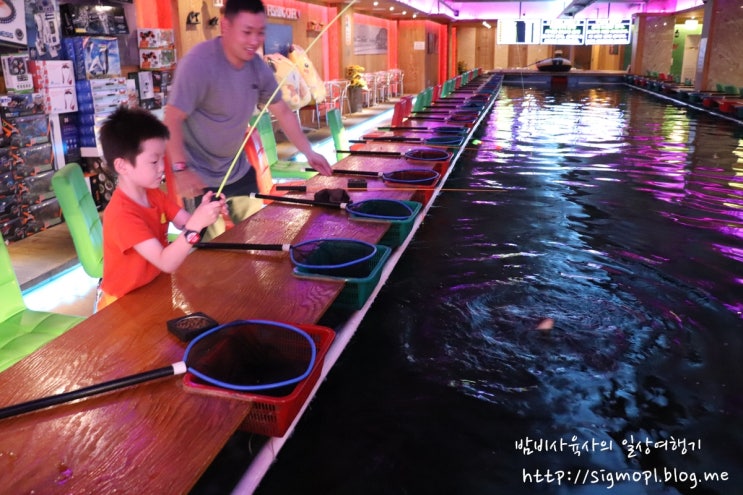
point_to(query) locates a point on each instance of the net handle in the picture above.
(34, 405)
(244, 246)
(301, 201)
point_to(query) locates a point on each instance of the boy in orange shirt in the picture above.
(135, 222)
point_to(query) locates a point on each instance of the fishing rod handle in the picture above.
(396, 154)
(279, 187)
(244, 246)
(301, 201)
(35, 405)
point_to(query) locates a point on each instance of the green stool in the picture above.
(22, 331)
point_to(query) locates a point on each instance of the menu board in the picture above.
(517, 32)
(608, 32)
(562, 32)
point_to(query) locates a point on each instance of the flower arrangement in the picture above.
(355, 74)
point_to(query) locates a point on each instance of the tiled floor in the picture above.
(46, 263)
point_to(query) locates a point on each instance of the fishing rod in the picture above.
(279, 187)
(273, 95)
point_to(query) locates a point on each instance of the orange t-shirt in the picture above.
(126, 224)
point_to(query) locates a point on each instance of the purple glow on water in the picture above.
(617, 216)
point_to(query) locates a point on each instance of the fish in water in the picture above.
(546, 324)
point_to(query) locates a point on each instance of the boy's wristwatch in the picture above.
(192, 237)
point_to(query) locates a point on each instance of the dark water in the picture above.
(615, 214)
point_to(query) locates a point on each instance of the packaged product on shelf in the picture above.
(8, 184)
(9, 207)
(40, 155)
(93, 19)
(21, 104)
(16, 74)
(25, 131)
(52, 73)
(157, 58)
(156, 38)
(60, 100)
(36, 188)
(41, 216)
(43, 33)
(13, 32)
(7, 160)
(93, 57)
(12, 229)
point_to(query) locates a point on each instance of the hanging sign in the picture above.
(279, 12)
(608, 32)
(562, 32)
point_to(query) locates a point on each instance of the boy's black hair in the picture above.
(233, 7)
(124, 131)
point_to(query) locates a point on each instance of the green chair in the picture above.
(338, 131)
(340, 140)
(22, 330)
(280, 169)
(82, 217)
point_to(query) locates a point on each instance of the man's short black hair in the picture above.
(124, 131)
(233, 7)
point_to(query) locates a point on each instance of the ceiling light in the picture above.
(691, 23)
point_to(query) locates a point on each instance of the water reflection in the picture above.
(621, 222)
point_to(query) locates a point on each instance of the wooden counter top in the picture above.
(155, 437)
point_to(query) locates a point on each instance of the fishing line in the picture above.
(273, 95)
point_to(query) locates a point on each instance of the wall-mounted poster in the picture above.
(278, 39)
(369, 40)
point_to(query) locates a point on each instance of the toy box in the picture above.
(21, 104)
(43, 29)
(101, 56)
(156, 38)
(158, 58)
(16, 74)
(40, 155)
(36, 188)
(8, 184)
(25, 131)
(102, 83)
(93, 57)
(52, 73)
(13, 27)
(93, 19)
(43, 215)
(12, 229)
(60, 100)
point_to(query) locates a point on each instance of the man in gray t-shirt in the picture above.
(215, 92)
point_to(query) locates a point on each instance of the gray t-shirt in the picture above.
(219, 101)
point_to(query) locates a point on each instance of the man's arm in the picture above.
(188, 184)
(290, 125)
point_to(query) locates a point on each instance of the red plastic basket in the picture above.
(272, 416)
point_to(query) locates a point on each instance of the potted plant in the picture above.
(355, 74)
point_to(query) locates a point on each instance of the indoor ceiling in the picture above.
(394, 10)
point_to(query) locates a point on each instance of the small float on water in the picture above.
(555, 64)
